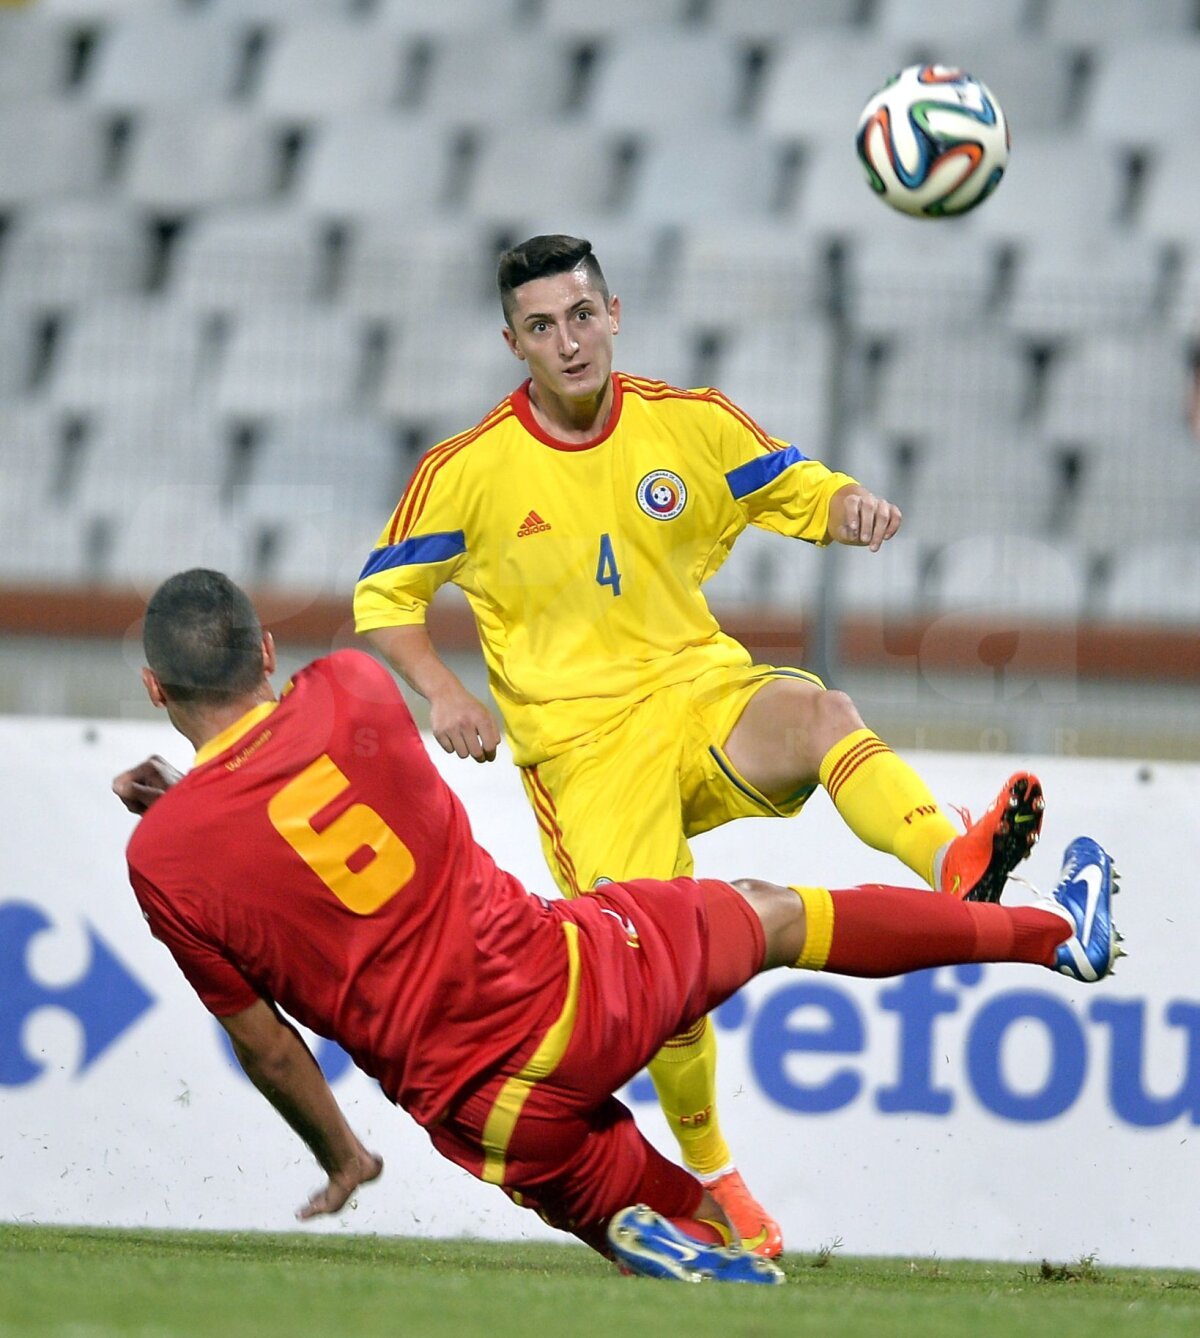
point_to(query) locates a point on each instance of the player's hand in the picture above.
(342, 1184)
(862, 520)
(140, 786)
(463, 725)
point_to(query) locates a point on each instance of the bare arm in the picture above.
(279, 1064)
(860, 519)
(461, 723)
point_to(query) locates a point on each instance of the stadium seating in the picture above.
(922, 391)
(17, 354)
(273, 12)
(737, 273)
(1009, 574)
(31, 464)
(274, 223)
(1170, 206)
(1037, 82)
(534, 167)
(290, 359)
(237, 260)
(1157, 581)
(1062, 185)
(615, 17)
(448, 16)
(778, 373)
(724, 175)
(770, 21)
(1060, 288)
(168, 528)
(420, 274)
(955, 283)
(186, 159)
(769, 573)
(322, 67)
(126, 450)
(948, 20)
(446, 381)
(1104, 386)
(815, 85)
(34, 58)
(50, 149)
(1126, 100)
(658, 347)
(658, 80)
(65, 252)
(158, 358)
(1101, 22)
(164, 61)
(473, 78)
(376, 164)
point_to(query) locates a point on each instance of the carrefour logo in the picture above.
(106, 999)
(808, 1041)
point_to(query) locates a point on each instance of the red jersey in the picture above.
(315, 857)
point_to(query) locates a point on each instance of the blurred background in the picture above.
(246, 278)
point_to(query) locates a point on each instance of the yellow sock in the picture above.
(818, 936)
(884, 802)
(685, 1077)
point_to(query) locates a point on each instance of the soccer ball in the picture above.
(934, 141)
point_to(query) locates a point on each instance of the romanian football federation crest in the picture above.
(662, 494)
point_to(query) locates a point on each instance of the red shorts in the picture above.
(653, 958)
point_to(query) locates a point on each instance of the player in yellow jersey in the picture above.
(581, 518)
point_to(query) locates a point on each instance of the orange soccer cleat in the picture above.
(977, 863)
(760, 1233)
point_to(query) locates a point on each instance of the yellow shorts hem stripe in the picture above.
(503, 1116)
(818, 939)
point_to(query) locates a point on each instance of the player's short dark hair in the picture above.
(203, 638)
(539, 257)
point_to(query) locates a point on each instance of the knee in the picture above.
(837, 713)
(781, 913)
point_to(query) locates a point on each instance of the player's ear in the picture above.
(154, 688)
(614, 314)
(511, 340)
(268, 653)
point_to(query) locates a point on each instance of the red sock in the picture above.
(886, 931)
(700, 1229)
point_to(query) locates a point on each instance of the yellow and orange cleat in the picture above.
(977, 863)
(760, 1233)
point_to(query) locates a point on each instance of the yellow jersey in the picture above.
(583, 563)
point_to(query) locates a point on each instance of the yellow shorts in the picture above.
(624, 803)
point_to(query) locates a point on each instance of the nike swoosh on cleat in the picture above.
(1093, 876)
(686, 1253)
(1023, 817)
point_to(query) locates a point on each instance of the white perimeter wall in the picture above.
(990, 1112)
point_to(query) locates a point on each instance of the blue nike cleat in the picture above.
(1083, 898)
(647, 1244)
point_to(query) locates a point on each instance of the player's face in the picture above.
(563, 330)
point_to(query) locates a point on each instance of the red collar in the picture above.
(524, 411)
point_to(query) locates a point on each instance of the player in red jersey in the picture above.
(314, 861)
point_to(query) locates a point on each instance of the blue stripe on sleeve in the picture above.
(424, 548)
(757, 473)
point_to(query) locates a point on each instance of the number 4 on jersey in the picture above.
(606, 568)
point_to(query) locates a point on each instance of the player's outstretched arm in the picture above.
(279, 1064)
(140, 786)
(860, 519)
(461, 723)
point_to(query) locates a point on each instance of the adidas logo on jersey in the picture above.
(532, 524)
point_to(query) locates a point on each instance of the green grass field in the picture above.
(83, 1283)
